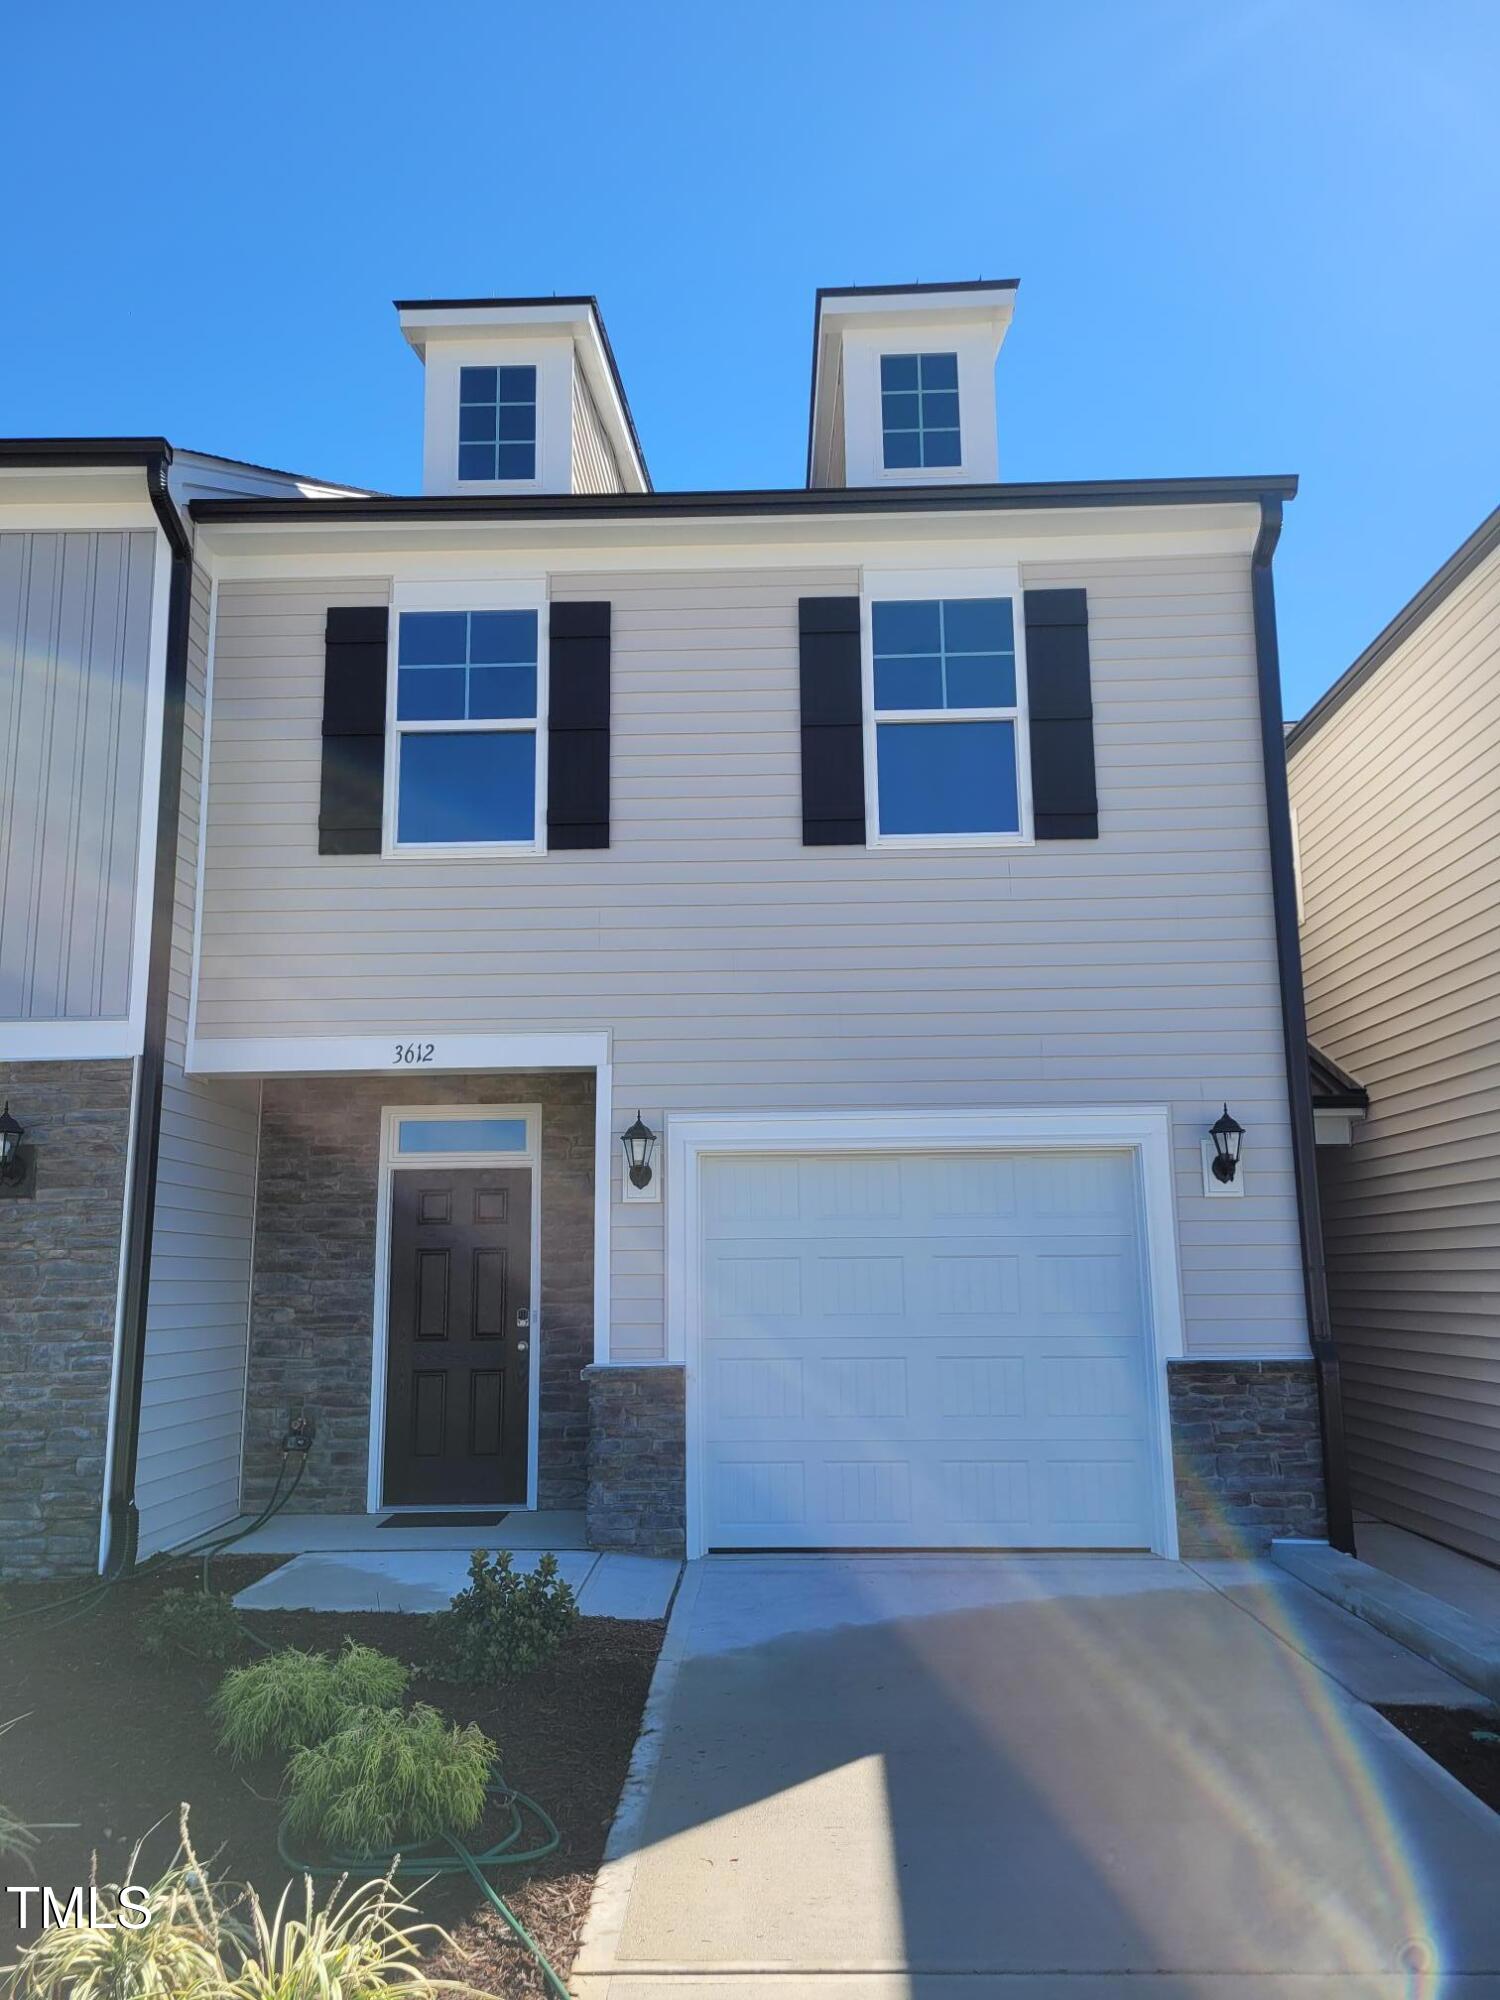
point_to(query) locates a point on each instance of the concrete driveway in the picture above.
(874, 1777)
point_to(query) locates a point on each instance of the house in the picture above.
(772, 1016)
(1394, 774)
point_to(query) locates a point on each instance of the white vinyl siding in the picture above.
(594, 467)
(198, 1303)
(1395, 797)
(737, 968)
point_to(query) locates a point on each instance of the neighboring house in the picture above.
(1394, 778)
(901, 865)
(103, 634)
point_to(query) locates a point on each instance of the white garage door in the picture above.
(924, 1351)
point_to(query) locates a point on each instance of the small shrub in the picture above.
(504, 1624)
(294, 1698)
(197, 1624)
(388, 1778)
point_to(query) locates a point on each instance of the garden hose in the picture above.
(189, 1551)
(454, 1858)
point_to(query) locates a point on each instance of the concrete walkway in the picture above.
(893, 1778)
(418, 1580)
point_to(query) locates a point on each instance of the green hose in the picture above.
(453, 1858)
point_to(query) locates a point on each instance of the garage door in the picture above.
(924, 1351)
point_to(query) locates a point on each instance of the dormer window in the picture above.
(919, 410)
(497, 423)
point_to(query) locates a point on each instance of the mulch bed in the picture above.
(1448, 1737)
(114, 1741)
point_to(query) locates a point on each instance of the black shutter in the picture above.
(1064, 801)
(354, 675)
(833, 735)
(578, 726)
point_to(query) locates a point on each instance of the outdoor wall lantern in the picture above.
(639, 1142)
(17, 1162)
(1226, 1133)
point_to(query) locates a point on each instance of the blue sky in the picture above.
(1252, 235)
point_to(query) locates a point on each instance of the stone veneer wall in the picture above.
(1247, 1453)
(314, 1283)
(59, 1287)
(637, 1459)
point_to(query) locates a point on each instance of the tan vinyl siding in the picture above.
(75, 649)
(736, 968)
(1395, 798)
(197, 1308)
(594, 467)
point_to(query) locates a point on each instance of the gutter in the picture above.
(1294, 1031)
(122, 1521)
(787, 500)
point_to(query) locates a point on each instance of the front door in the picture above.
(456, 1430)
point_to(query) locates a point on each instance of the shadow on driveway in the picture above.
(1014, 1766)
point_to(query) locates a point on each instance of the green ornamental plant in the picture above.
(504, 1623)
(191, 1624)
(387, 1779)
(359, 1946)
(294, 1698)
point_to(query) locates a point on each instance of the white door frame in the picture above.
(1145, 1131)
(390, 1166)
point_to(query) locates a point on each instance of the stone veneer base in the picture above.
(637, 1491)
(59, 1287)
(1247, 1454)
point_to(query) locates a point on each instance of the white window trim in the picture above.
(522, 594)
(392, 1163)
(1143, 1130)
(915, 474)
(532, 480)
(882, 585)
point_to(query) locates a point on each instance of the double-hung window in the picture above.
(945, 721)
(919, 410)
(467, 725)
(497, 423)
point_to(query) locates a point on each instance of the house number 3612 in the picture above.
(408, 1053)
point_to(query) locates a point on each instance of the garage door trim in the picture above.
(1143, 1130)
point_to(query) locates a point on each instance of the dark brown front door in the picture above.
(456, 1429)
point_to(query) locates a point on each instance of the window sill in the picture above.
(927, 843)
(468, 850)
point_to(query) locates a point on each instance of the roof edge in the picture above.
(789, 500)
(1409, 619)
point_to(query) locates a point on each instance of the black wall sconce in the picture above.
(639, 1142)
(17, 1162)
(1226, 1133)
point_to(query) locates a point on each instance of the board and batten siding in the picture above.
(198, 1302)
(1399, 844)
(75, 654)
(737, 968)
(594, 469)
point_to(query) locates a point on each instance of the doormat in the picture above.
(442, 1520)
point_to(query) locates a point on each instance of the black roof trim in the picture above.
(894, 291)
(539, 299)
(1333, 1089)
(778, 500)
(83, 451)
(552, 299)
(1407, 620)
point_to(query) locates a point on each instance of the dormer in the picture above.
(522, 396)
(904, 384)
